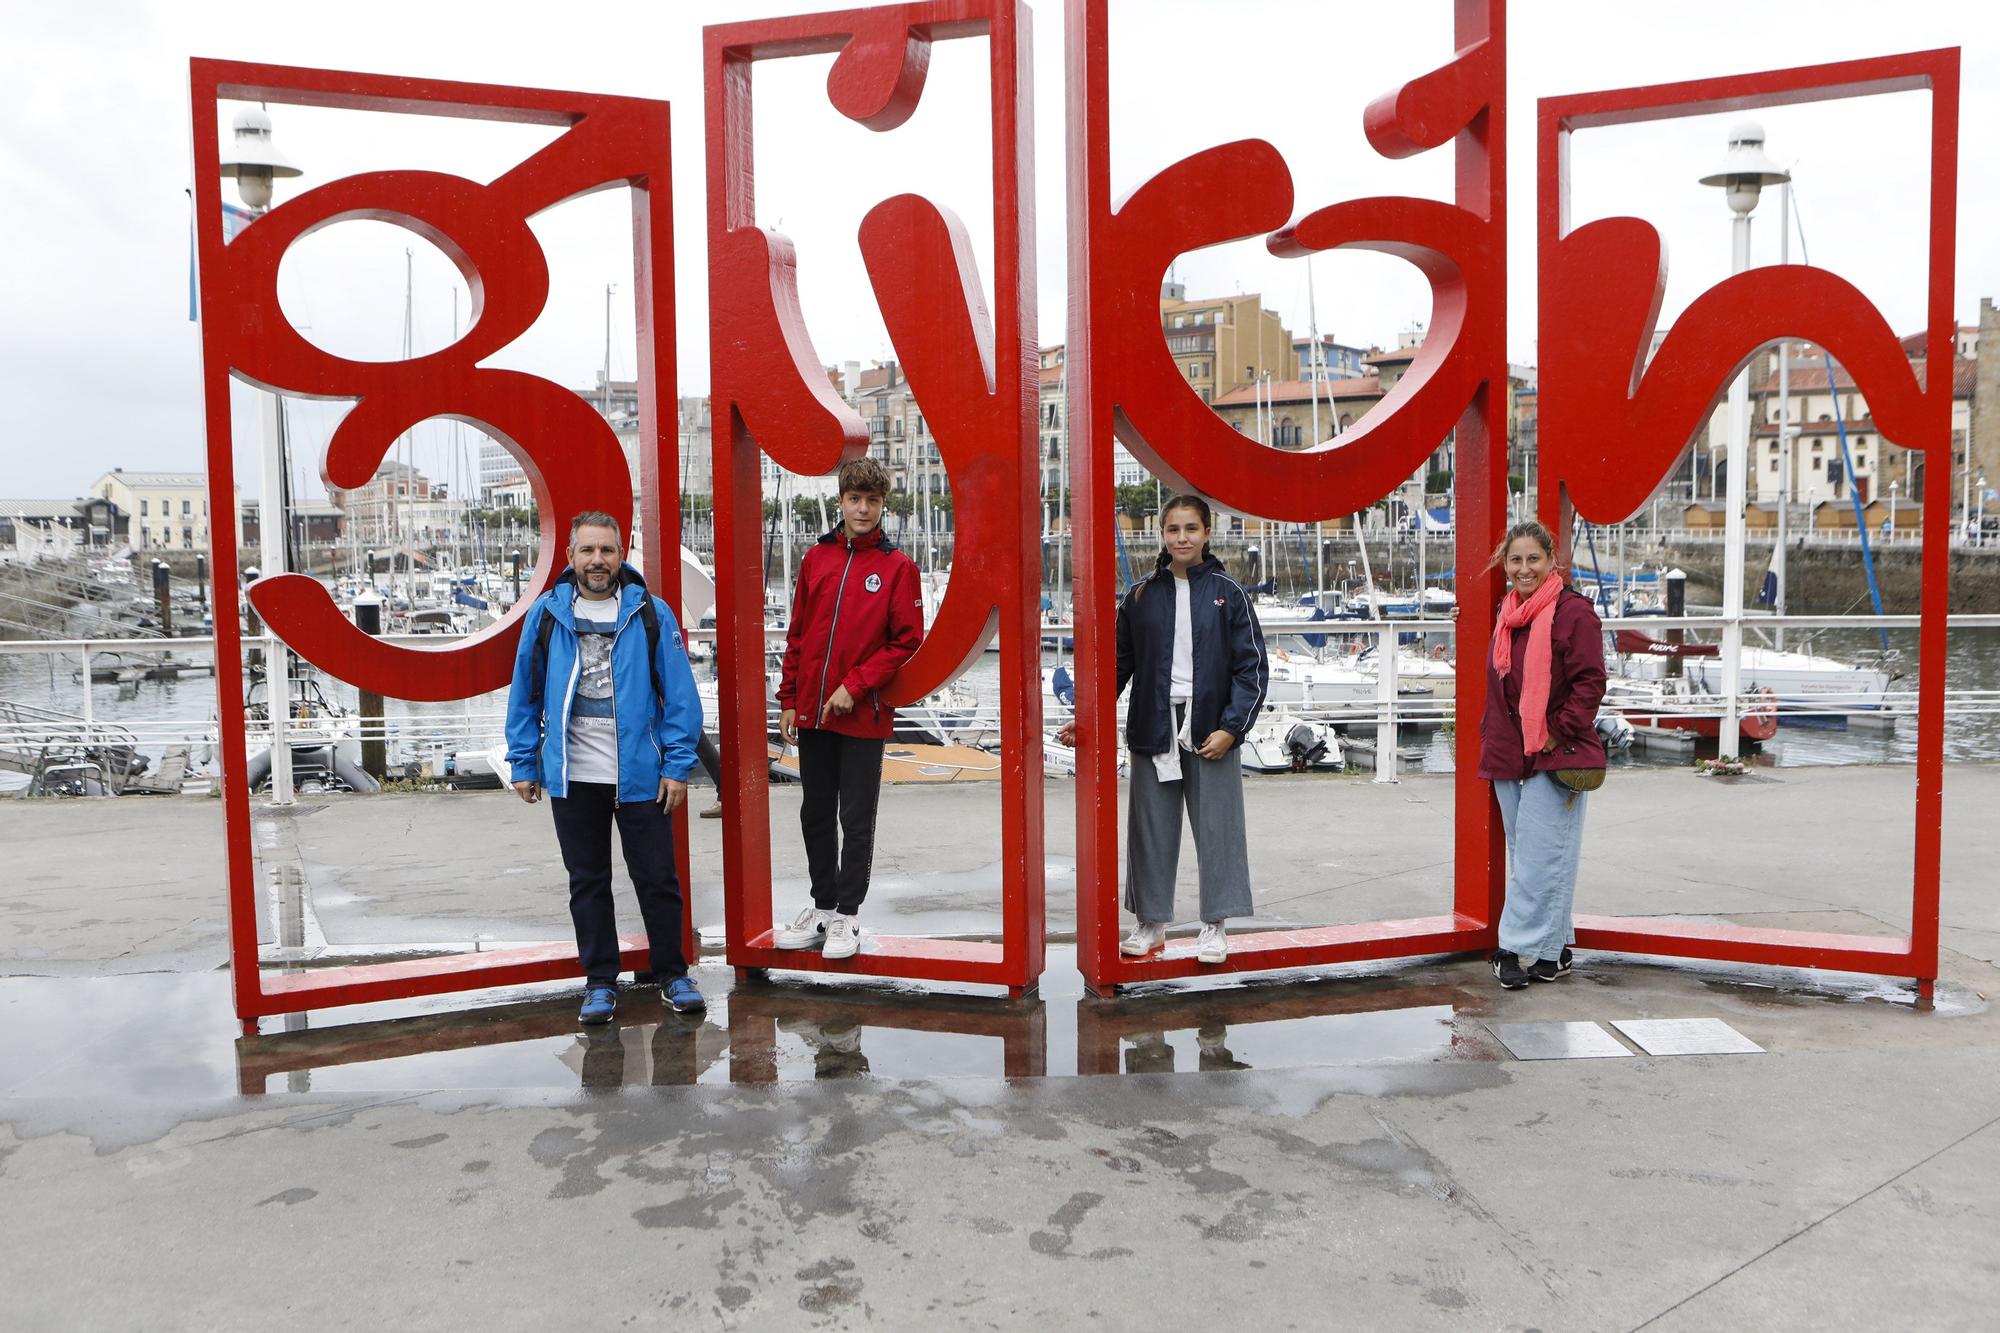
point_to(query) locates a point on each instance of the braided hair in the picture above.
(1186, 500)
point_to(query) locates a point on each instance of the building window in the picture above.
(1773, 468)
(143, 507)
(187, 538)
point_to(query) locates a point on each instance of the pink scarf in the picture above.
(1538, 613)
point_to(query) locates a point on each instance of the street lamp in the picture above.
(1892, 509)
(1744, 173)
(253, 162)
(1979, 529)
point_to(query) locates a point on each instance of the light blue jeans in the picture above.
(1544, 823)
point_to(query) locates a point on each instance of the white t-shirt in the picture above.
(1181, 688)
(593, 716)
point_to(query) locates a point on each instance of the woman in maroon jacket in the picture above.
(1544, 680)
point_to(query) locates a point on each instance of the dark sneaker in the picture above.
(1545, 970)
(683, 996)
(599, 1004)
(1507, 967)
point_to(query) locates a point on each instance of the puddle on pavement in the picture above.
(172, 1036)
(160, 1035)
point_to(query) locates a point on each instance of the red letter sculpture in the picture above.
(566, 448)
(1122, 378)
(1613, 424)
(975, 380)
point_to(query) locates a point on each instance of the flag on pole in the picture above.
(234, 219)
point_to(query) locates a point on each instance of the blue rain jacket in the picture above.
(656, 737)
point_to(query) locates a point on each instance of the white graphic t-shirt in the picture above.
(593, 717)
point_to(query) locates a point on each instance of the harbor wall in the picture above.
(1829, 579)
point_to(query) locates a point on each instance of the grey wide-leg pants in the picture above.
(1211, 791)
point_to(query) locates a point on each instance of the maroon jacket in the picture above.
(857, 616)
(1576, 687)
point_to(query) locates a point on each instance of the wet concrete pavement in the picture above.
(1348, 1147)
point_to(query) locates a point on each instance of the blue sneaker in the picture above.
(683, 996)
(599, 1004)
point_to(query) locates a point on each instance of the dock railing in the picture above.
(482, 722)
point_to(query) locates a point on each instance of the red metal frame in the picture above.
(1614, 422)
(564, 445)
(1122, 380)
(978, 385)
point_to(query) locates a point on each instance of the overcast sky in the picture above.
(99, 364)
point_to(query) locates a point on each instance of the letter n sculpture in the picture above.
(1614, 421)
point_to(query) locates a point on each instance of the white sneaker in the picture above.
(843, 938)
(1213, 946)
(1146, 937)
(808, 928)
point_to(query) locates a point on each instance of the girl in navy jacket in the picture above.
(1190, 646)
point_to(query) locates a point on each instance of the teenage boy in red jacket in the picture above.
(857, 616)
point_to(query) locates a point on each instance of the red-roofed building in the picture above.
(1282, 414)
(1822, 402)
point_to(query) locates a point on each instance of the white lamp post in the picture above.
(1892, 509)
(1744, 173)
(253, 162)
(1979, 527)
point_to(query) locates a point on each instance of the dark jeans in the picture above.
(583, 828)
(842, 777)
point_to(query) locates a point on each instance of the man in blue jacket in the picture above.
(603, 716)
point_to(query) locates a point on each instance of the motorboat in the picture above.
(1284, 742)
(1681, 704)
(1795, 679)
(1433, 671)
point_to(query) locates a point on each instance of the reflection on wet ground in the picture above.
(172, 1035)
(163, 1035)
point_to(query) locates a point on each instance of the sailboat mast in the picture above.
(1317, 366)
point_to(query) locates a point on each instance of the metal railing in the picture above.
(24, 728)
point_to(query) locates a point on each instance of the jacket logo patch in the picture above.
(873, 583)
(1220, 602)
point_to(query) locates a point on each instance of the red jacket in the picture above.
(1576, 687)
(857, 616)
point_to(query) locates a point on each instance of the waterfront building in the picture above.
(33, 529)
(1873, 467)
(165, 510)
(1334, 360)
(398, 500)
(1222, 343)
(312, 524)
